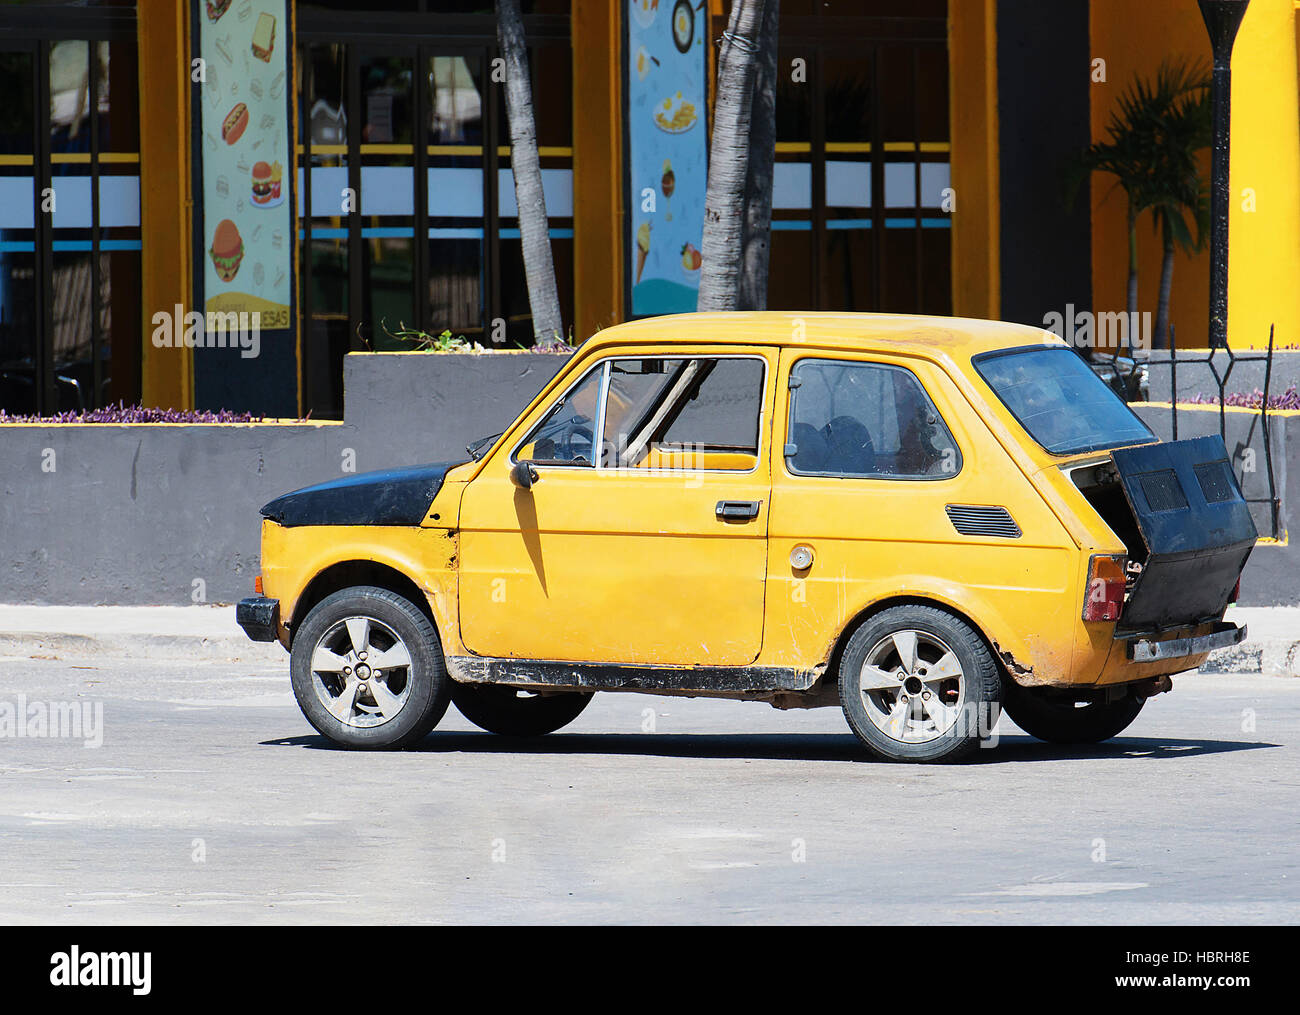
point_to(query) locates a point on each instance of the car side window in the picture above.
(865, 420)
(684, 413)
(567, 433)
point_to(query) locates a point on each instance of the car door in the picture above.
(643, 538)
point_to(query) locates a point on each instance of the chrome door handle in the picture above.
(738, 510)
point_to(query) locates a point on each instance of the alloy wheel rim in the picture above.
(912, 687)
(361, 672)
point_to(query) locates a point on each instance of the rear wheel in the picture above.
(515, 712)
(368, 670)
(918, 684)
(1059, 719)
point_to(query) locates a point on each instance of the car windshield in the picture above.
(1058, 399)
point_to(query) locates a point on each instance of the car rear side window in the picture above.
(1060, 402)
(867, 420)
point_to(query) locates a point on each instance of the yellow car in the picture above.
(918, 520)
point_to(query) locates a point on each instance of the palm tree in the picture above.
(534, 227)
(756, 241)
(1176, 188)
(1151, 149)
(724, 201)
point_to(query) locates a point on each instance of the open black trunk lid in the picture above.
(1197, 528)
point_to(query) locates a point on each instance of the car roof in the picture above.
(953, 338)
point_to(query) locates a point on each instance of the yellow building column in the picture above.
(1264, 228)
(973, 115)
(598, 241)
(166, 258)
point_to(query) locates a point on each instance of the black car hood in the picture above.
(390, 497)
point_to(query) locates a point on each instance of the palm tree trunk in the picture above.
(1161, 340)
(1132, 262)
(724, 201)
(756, 241)
(534, 228)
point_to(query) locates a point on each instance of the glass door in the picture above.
(70, 318)
(407, 214)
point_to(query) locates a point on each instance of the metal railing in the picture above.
(1221, 382)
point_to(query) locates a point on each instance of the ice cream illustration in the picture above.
(668, 183)
(691, 260)
(642, 248)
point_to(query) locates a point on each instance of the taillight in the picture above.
(257, 584)
(1236, 593)
(1105, 594)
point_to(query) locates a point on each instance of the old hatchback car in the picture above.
(917, 520)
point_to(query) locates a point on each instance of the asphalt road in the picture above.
(211, 801)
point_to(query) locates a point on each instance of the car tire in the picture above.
(918, 684)
(1059, 720)
(341, 690)
(514, 712)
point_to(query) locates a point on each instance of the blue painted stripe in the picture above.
(69, 246)
(439, 233)
(803, 225)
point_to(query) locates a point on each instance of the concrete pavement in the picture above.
(210, 800)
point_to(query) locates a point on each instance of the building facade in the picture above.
(343, 170)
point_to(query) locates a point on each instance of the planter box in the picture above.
(158, 514)
(434, 403)
(1197, 378)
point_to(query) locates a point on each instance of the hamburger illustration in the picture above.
(216, 8)
(227, 250)
(266, 183)
(235, 123)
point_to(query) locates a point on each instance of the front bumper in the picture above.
(1148, 650)
(259, 617)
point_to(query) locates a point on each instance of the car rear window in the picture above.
(1058, 399)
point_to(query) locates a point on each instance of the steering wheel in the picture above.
(574, 430)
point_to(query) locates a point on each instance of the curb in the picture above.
(1272, 657)
(152, 647)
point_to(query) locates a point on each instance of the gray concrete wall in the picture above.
(137, 515)
(436, 403)
(1197, 378)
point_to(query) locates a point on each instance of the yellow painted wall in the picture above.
(166, 258)
(1264, 246)
(973, 117)
(1264, 277)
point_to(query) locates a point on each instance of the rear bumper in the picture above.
(1149, 650)
(259, 617)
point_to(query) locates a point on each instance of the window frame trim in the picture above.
(605, 364)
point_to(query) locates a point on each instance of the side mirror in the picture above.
(523, 475)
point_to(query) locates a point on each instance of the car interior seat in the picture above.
(849, 444)
(812, 453)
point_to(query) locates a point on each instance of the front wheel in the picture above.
(918, 684)
(1059, 719)
(368, 670)
(514, 712)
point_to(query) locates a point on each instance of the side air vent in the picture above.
(980, 520)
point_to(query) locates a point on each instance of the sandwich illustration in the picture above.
(227, 250)
(235, 123)
(264, 37)
(266, 183)
(216, 8)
